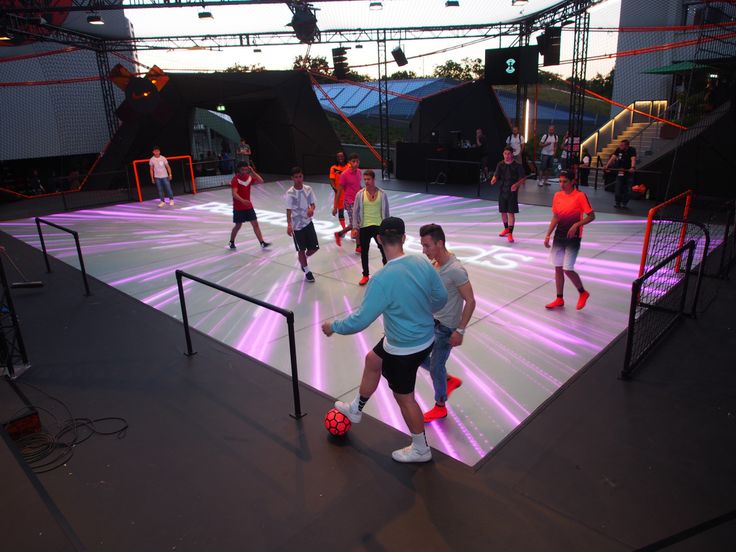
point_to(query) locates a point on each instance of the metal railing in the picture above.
(649, 305)
(76, 241)
(289, 315)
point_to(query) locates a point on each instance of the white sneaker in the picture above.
(347, 408)
(171, 202)
(410, 454)
(161, 204)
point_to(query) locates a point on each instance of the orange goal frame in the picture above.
(141, 161)
(688, 197)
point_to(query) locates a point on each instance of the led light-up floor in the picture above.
(515, 354)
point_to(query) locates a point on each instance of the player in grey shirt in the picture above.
(450, 322)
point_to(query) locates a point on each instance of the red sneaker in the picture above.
(510, 237)
(338, 239)
(357, 250)
(437, 413)
(559, 302)
(582, 300)
(364, 280)
(505, 231)
(452, 384)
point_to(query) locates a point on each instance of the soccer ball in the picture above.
(337, 423)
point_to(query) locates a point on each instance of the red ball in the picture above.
(337, 423)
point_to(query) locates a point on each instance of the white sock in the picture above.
(305, 268)
(419, 441)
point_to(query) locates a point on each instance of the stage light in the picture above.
(221, 108)
(304, 22)
(205, 15)
(375, 6)
(257, 50)
(358, 46)
(452, 4)
(519, 2)
(95, 19)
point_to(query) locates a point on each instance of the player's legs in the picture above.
(167, 188)
(364, 236)
(235, 231)
(257, 230)
(410, 411)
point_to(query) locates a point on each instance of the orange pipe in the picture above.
(650, 219)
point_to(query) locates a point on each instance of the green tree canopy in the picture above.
(468, 69)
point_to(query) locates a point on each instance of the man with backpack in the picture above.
(548, 144)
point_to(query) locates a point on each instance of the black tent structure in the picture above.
(276, 111)
(445, 118)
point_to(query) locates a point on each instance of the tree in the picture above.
(402, 75)
(602, 84)
(317, 64)
(237, 68)
(468, 69)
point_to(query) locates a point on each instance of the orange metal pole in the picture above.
(191, 171)
(138, 181)
(684, 228)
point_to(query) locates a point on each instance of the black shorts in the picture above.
(400, 371)
(508, 202)
(240, 217)
(306, 238)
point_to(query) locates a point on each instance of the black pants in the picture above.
(367, 234)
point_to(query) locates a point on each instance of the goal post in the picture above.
(661, 236)
(187, 172)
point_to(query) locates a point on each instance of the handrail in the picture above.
(180, 274)
(635, 300)
(76, 241)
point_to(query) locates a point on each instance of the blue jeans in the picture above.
(164, 188)
(436, 361)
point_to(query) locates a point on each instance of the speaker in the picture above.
(399, 56)
(549, 45)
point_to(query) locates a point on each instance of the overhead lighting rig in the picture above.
(304, 21)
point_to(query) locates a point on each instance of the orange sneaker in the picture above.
(582, 300)
(357, 250)
(338, 239)
(510, 237)
(437, 413)
(364, 280)
(505, 231)
(452, 384)
(559, 302)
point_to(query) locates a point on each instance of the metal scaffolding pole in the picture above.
(383, 104)
(108, 94)
(577, 79)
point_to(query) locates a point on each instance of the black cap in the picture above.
(392, 225)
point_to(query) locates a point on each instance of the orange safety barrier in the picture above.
(141, 161)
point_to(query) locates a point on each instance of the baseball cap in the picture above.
(392, 225)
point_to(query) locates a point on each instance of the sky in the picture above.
(356, 15)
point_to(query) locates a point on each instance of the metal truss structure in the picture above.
(577, 79)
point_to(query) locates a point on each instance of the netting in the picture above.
(663, 234)
(658, 300)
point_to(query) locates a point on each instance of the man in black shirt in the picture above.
(625, 159)
(510, 175)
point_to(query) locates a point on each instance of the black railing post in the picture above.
(294, 372)
(43, 245)
(635, 293)
(81, 263)
(184, 317)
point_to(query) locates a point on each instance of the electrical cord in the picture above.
(46, 451)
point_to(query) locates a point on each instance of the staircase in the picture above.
(631, 124)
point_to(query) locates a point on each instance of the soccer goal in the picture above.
(662, 235)
(182, 172)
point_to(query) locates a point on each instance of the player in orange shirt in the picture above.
(338, 206)
(571, 211)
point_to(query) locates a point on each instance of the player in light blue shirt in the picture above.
(406, 292)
